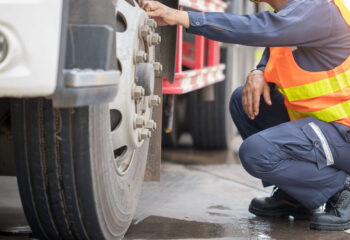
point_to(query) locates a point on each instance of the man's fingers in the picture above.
(154, 14)
(142, 4)
(266, 94)
(244, 101)
(250, 104)
(256, 95)
(149, 5)
(247, 99)
(251, 94)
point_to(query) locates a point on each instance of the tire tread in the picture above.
(53, 208)
(208, 126)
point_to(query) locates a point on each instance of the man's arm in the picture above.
(300, 23)
(264, 59)
(300, 26)
(165, 15)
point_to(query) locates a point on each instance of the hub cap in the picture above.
(131, 110)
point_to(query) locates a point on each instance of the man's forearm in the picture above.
(182, 18)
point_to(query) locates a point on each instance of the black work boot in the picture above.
(280, 204)
(337, 213)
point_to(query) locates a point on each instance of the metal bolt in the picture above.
(158, 67)
(154, 101)
(3, 47)
(145, 30)
(140, 57)
(156, 39)
(138, 92)
(144, 134)
(151, 23)
(139, 122)
(151, 125)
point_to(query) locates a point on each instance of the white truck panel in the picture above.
(32, 29)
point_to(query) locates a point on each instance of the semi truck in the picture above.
(88, 91)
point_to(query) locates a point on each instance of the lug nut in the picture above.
(151, 125)
(158, 67)
(138, 92)
(3, 47)
(140, 57)
(139, 122)
(145, 31)
(156, 39)
(151, 23)
(144, 134)
(154, 101)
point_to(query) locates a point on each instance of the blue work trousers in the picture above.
(308, 158)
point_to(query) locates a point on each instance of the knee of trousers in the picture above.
(259, 157)
(236, 102)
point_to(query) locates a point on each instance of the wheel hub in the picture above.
(136, 41)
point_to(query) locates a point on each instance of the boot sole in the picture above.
(280, 214)
(330, 227)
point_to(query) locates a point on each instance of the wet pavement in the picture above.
(205, 195)
(201, 195)
(13, 224)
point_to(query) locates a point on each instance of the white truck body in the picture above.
(33, 36)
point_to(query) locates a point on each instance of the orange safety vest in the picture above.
(323, 95)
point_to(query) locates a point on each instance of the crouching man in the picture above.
(294, 110)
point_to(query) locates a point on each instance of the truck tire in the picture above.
(211, 126)
(67, 174)
(209, 119)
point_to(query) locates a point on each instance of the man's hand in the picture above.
(251, 93)
(165, 15)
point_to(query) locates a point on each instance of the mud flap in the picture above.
(168, 45)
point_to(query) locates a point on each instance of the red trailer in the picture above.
(201, 58)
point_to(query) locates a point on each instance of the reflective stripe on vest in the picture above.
(318, 88)
(331, 114)
(323, 95)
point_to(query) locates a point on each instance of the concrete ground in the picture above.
(205, 195)
(201, 195)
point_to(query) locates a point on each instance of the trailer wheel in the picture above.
(66, 170)
(211, 126)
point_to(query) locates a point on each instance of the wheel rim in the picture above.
(131, 110)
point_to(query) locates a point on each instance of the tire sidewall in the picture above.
(116, 196)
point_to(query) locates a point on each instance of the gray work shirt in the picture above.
(316, 27)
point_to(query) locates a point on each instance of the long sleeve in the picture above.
(264, 59)
(299, 23)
